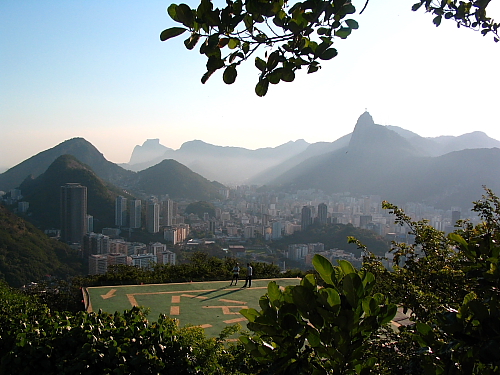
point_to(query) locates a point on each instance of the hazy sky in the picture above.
(97, 69)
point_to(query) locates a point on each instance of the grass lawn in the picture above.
(212, 304)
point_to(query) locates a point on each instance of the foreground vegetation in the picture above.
(334, 322)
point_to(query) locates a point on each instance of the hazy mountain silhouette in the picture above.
(437, 146)
(224, 164)
(80, 149)
(178, 181)
(151, 149)
(43, 193)
(314, 149)
(380, 161)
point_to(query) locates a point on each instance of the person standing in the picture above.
(248, 279)
(236, 274)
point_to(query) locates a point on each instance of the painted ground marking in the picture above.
(109, 294)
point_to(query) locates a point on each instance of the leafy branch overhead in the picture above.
(294, 35)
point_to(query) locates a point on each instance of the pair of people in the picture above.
(236, 275)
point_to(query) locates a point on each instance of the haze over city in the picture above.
(98, 70)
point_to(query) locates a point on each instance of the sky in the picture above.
(97, 69)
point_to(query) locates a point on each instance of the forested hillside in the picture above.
(27, 254)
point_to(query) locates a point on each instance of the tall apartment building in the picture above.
(73, 212)
(153, 216)
(306, 217)
(277, 229)
(168, 211)
(121, 211)
(134, 210)
(322, 213)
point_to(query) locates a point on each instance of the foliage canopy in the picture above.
(295, 35)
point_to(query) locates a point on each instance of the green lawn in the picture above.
(213, 305)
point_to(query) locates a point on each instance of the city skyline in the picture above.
(98, 71)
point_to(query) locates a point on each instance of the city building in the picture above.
(146, 261)
(73, 212)
(95, 244)
(98, 264)
(120, 211)
(166, 257)
(322, 213)
(277, 230)
(153, 216)
(306, 217)
(134, 210)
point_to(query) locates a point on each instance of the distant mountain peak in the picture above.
(364, 121)
(150, 149)
(152, 141)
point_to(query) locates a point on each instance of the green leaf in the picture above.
(417, 6)
(275, 76)
(230, 74)
(346, 267)
(458, 239)
(333, 297)
(260, 64)
(313, 67)
(274, 293)
(353, 289)
(214, 63)
(250, 314)
(437, 20)
(245, 47)
(343, 32)
(171, 33)
(185, 15)
(303, 298)
(172, 12)
(309, 281)
(206, 76)
(233, 43)
(353, 24)
(313, 338)
(261, 87)
(348, 8)
(391, 313)
(273, 60)
(190, 43)
(324, 268)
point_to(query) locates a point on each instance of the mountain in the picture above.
(442, 145)
(43, 193)
(314, 149)
(225, 164)
(27, 254)
(178, 181)
(380, 161)
(151, 149)
(80, 149)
